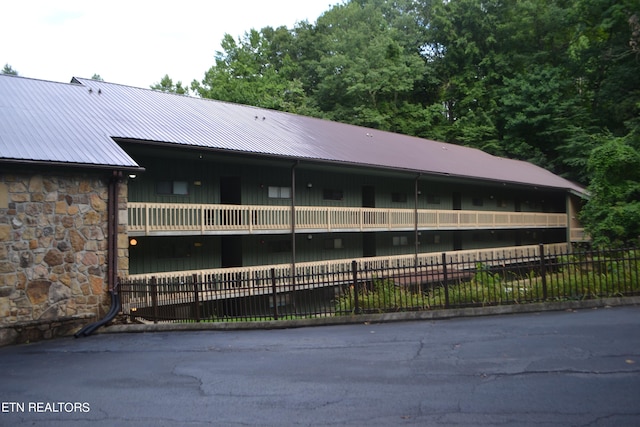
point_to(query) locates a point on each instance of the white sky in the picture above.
(133, 42)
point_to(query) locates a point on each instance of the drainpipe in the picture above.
(112, 256)
(293, 219)
(417, 233)
(112, 251)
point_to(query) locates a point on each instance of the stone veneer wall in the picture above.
(53, 252)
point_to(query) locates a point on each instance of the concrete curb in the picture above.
(439, 314)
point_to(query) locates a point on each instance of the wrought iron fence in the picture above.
(440, 284)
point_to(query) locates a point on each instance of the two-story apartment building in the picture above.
(210, 187)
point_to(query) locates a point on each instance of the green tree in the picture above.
(612, 214)
(605, 52)
(365, 65)
(97, 77)
(9, 70)
(257, 69)
(166, 85)
(460, 48)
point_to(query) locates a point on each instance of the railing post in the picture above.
(274, 291)
(543, 272)
(154, 298)
(203, 216)
(445, 278)
(354, 271)
(196, 299)
(147, 218)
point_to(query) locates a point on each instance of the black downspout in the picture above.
(293, 234)
(416, 232)
(293, 219)
(112, 256)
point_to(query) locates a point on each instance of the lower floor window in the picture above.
(333, 244)
(400, 240)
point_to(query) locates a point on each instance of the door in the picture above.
(457, 201)
(369, 244)
(231, 251)
(368, 196)
(368, 201)
(230, 190)
(457, 240)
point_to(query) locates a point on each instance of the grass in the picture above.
(574, 279)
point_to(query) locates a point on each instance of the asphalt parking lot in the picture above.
(568, 368)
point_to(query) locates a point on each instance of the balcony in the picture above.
(166, 219)
(341, 267)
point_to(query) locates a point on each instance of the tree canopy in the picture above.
(8, 69)
(166, 85)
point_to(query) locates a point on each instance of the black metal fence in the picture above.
(448, 283)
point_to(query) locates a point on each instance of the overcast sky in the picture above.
(133, 42)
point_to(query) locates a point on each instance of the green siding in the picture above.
(158, 254)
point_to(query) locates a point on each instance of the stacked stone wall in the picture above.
(53, 253)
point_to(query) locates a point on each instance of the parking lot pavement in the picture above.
(577, 367)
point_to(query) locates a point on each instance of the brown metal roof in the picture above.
(76, 123)
(42, 121)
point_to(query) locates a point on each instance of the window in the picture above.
(333, 244)
(477, 201)
(399, 197)
(433, 239)
(167, 188)
(501, 203)
(169, 250)
(433, 199)
(328, 194)
(278, 246)
(400, 240)
(279, 192)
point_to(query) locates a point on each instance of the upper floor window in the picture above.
(477, 201)
(180, 188)
(399, 197)
(433, 199)
(328, 194)
(279, 192)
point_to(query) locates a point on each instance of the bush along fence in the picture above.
(447, 283)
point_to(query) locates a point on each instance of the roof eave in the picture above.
(72, 165)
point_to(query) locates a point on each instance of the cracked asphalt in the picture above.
(569, 368)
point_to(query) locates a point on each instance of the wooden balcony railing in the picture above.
(579, 235)
(341, 267)
(174, 218)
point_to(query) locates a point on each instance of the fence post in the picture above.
(196, 299)
(354, 271)
(154, 298)
(445, 278)
(275, 294)
(543, 272)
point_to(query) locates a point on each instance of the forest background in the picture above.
(552, 82)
